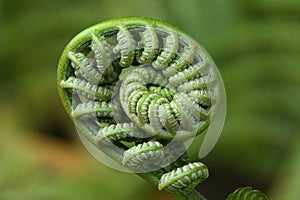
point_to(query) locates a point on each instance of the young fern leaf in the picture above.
(153, 113)
(143, 155)
(168, 118)
(138, 89)
(126, 46)
(142, 107)
(170, 48)
(84, 67)
(184, 178)
(201, 97)
(93, 109)
(149, 42)
(247, 193)
(102, 53)
(86, 89)
(177, 65)
(196, 84)
(118, 132)
(191, 72)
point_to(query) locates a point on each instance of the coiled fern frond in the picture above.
(137, 89)
(138, 71)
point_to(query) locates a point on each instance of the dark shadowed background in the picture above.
(255, 44)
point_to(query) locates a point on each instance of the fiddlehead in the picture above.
(138, 89)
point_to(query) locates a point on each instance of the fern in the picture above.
(164, 84)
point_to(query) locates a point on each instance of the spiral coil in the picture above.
(144, 87)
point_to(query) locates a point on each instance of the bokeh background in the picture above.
(255, 44)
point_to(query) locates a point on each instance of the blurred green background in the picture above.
(255, 44)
